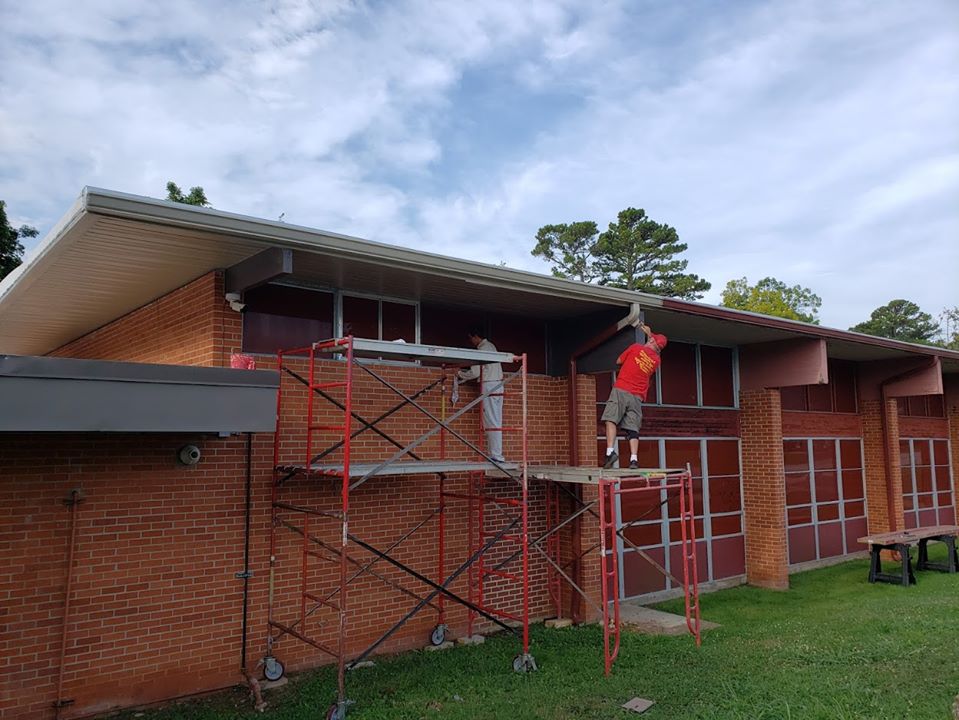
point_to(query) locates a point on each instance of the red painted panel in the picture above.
(854, 530)
(944, 500)
(640, 505)
(724, 494)
(830, 539)
(922, 453)
(850, 454)
(716, 367)
(906, 479)
(729, 557)
(907, 501)
(905, 455)
(937, 408)
(842, 377)
(857, 508)
(824, 455)
(916, 406)
(399, 321)
(645, 534)
(680, 452)
(940, 452)
(676, 560)
(927, 518)
(361, 317)
(678, 374)
(925, 501)
(674, 503)
(802, 544)
(799, 515)
(942, 478)
(727, 525)
(723, 457)
(923, 479)
(827, 512)
(795, 455)
(516, 334)
(676, 530)
(798, 491)
(827, 486)
(911, 521)
(820, 398)
(793, 398)
(639, 577)
(852, 487)
(947, 516)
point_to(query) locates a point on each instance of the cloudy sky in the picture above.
(817, 142)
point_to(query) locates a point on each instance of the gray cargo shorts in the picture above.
(624, 409)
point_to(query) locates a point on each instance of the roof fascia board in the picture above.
(107, 202)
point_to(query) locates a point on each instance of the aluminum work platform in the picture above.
(423, 354)
(593, 475)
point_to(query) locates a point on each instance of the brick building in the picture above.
(800, 438)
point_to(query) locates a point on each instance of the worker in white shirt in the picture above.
(492, 386)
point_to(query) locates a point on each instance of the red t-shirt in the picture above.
(637, 365)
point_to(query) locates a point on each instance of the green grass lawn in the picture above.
(833, 647)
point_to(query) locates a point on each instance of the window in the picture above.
(282, 317)
(825, 499)
(927, 492)
(653, 521)
(378, 319)
(922, 406)
(279, 317)
(838, 395)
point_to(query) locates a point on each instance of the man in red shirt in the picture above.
(624, 406)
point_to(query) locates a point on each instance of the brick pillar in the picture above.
(764, 489)
(877, 450)
(585, 534)
(586, 419)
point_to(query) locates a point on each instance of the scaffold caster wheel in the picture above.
(438, 636)
(272, 668)
(524, 663)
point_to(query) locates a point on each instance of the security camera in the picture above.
(189, 455)
(234, 299)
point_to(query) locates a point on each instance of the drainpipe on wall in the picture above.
(632, 318)
(75, 498)
(890, 503)
(246, 575)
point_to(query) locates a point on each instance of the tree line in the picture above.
(637, 253)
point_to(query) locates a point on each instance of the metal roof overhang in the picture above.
(115, 252)
(43, 394)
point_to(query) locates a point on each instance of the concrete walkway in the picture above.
(656, 622)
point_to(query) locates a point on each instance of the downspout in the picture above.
(246, 575)
(632, 318)
(890, 504)
(76, 497)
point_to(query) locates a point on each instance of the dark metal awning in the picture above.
(66, 395)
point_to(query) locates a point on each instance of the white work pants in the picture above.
(493, 417)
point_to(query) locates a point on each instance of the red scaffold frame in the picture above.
(610, 490)
(351, 475)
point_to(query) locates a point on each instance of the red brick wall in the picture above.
(190, 326)
(951, 400)
(876, 451)
(764, 490)
(922, 427)
(815, 424)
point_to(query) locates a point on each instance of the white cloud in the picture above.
(784, 139)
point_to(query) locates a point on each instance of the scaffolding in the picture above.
(497, 496)
(669, 485)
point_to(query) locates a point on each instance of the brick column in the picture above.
(876, 450)
(764, 489)
(586, 534)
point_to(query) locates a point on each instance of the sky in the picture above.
(816, 142)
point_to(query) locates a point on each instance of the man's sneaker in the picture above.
(633, 465)
(611, 461)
